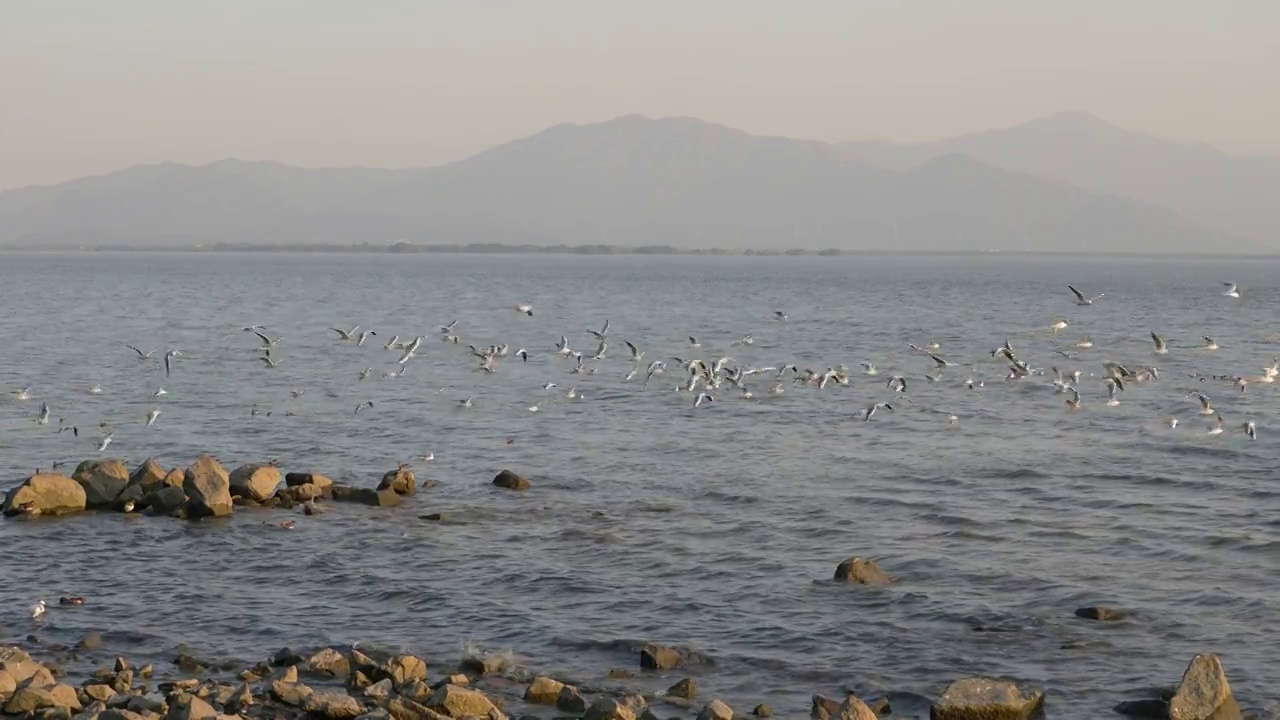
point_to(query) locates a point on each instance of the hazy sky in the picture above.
(90, 86)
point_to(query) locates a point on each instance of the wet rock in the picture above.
(46, 494)
(289, 693)
(543, 691)
(762, 711)
(122, 682)
(380, 690)
(607, 708)
(571, 701)
(148, 475)
(208, 488)
(329, 662)
(366, 496)
(256, 482)
(92, 641)
(716, 710)
(880, 707)
(146, 671)
(102, 480)
(285, 656)
(455, 679)
(1103, 614)
(185, 706)
(121, 665)
(1204, 693)
(823, 708)
(320, 481)
(335, 706)
(28, 699)
(360, 681)
(483, 663)
(1149, 709)
(621, 674)
(18, 665)
(460, 702)
(289, 674)
(402, 708)
(648, 714)
(511, 481)
(686, 689)
(416, 690)
(400, 481)
(189, 664)
(861, 571)
(660, 657)
(981, 698)
(166, 500)
(402, 668)
(239, 700)
(175, 477)
(854, 709)
(301, 493)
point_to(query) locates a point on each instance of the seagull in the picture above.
(872, 408)
(572, 394)
(1173, 423)
(526, 309)
(151, 417)
(744, 340)
(693, 342)
(267, 342)
(604, 331)
(1058, 325)
(1209, 344)
(268, 361)
(448, 329)
(1074, 403)
(779, 316)
(533, 408)
(1113, 388)
(102, 447)
(159, 392)
(466, 403)
(365, 336)
(636, 356)
(346, 334)
(1161, 346)
(365, 374)
(429, 456)
(1205, 409)
(251, 328)
(953, 422)
(1250, 429)
(1081, 299)
(44, 414)
(703, 397)
(869, 369)
(549, 386)
(391, 343)
(95, 390)
(37, 610)
(168, 358)
(897, 383)
(142, 355)
(1231, 290)
(562, 348)
(361, 406)
(600, 348)
(1215, 428)
(23, 394)
(523, 354)
(1085, 343)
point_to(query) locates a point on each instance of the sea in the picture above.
(715, 529)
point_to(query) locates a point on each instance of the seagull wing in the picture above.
(1079, 295)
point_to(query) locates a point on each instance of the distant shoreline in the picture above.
(403, 248)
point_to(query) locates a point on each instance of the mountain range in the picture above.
(1067, 183)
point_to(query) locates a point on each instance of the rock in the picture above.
(336, 706)
(7, 683)
(980, 698)
(880, 707)
(166, 500)
(660, 657)
(648, 714)
(208, 488)
(122, 682)
(1149, 709)
(189, 664)
(320, 481)
(376, 498)
(402, 668)
(854, 709)
(330, 662)
(285, 656)
(289, 693)
(459, 702)
(176, 477)
(360, 681)
(380, 690)
(716, 710)
(92, 641)
(861, 571)
(607, 708)
(185, 706)
(28, 699)
(762, 711)
(146, 671)
(289, 674)
(543, 691)
(148, 475)
(1104, 614)
(511, 481)
(686, 689)
(65, 696)
(823, 708)
(571, 701)
(256, 482)
(400, 481)
(121, 665)
(415, 690)
(18, 665)
(434, 517)
(239, 700)
(102, 480)
(301, 493)
(47, 494)
(404, 709)
(483, 664)
(1204, 693)
(121, 714)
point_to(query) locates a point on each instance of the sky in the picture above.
(88, 87)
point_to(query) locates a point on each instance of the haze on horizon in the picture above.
(93, 87)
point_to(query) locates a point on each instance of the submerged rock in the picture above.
(980, 698)
(1148, 709)
(256, 482)
(511, 481)
(762, 711)
(1101, 613)
(861, 571)
(1204, 693)
(208, 488)
(400, 481)
(686, 689)
(45, 494)
(366, 496)
(102, 480)
(660, 657)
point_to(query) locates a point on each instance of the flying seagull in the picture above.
(1081, 299)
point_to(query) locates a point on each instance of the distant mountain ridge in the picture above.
(1231, 193)
(628, 181)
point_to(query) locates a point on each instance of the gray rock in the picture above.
(380, 690)
(483, 663)
(571, 701)
(400, 481)
(45, 494)
(1204, 693)
(239, 700)
(1149, 709)
(256, 482)
(402, 708)
(335, 706)
(102, 480)
(99, 692)
(981, 698)
(416, 690)
(285, 656)
(92, 641)
(861, 571)
(366, 496)
(512, 481)
(320, 481)
(166, 500)
(121, 714)
(208, 488)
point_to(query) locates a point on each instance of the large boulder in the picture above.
(102, 480)
(289, 693)
(543, 691)
(861, 571)
(511, 481)
(981, 698)
(29, 699)
(335, 706)
(402, 668)
(256, 482)
(460, 702)
(400, 481)
(166, 500)
(328, 661)
(366, 496)
(46, 494)
(660, 657)
(149, 475)
(1204, 693)
(19, 668)
(208, 488)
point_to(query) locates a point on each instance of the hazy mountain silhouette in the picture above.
(628, 181)
(1233, 194)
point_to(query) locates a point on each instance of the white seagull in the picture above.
(1162, 347)
(44, 414)
(1081, 299)
(168, 360)
(38, 609)
(151, 417)
(1231, 290)
(346, 334)
(102, 447)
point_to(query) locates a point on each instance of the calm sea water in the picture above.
(716, 529)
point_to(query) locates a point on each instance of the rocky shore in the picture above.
(348, 683)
